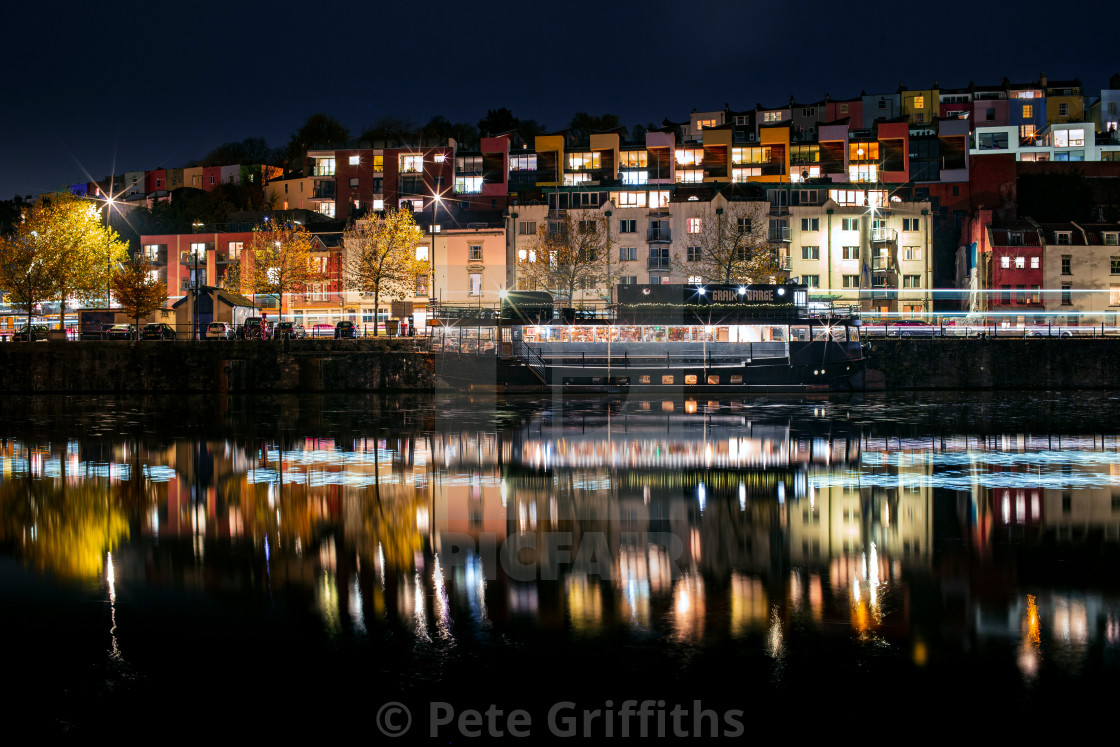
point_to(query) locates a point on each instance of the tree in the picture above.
(381, 256)
(249, 151)
(583, 124)
(570, 254)
(138, 289)
(319, 131)
(60, 238)
(25, 272)
(279, 259)
(734, 245)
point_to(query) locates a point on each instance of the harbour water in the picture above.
(329, 565)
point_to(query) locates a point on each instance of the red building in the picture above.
(1016, 267)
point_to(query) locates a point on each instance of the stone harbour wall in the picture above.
(215, 366)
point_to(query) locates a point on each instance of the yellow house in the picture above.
(774, 146)
(920, 107)
(291, 194)
(1064, 102)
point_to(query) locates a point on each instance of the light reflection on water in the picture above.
(779, 530)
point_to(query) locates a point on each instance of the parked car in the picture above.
(121, 332)
(911, 328)
(322, 330)
(156, 331)
(290, 330)
(220, 331)
(255, 328)
(345, 329)
(38, 332)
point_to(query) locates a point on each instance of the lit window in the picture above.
(235, 248)
(635, 177)
(440, 157)
(689, 156)
(475, 253)
(379, 204)
(468, 185)
(771, 117)
(912, 253)
(919, 102)
(355, 160)
(1034, 263)
(411, 164)
(690, 176)
(422, 253)
(630, 199)
(1028, 111)
(1020, 263)
(694, 225)
(702, 123)
(633, 159)
(1026, 131)
(743, 174)
(1005, 262)
(379, 163)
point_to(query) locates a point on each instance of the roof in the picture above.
(229, 298)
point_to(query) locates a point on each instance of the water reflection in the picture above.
(779, 527)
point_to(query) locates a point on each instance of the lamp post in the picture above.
(108, 253)
(194, 284)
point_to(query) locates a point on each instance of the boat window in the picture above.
(749, 334)
(736, 379)
(583, 334)
(602, 334)
(679, 334)
(666, 379)
(531, 334)
(704, 334)
(554, 334)
(630, 334)
(723, 334)
(840, 333)
(653, 334)
(820, 334)
(799, 334)
(713, 378)
(689, 379)
(643, 380)
(773, 334)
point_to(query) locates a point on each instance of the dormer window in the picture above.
(1063, 237)
(1112, 238)
(1015, 238)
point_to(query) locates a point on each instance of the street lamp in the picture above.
(108, 252)
(194, 306)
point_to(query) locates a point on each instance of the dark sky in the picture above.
(89, 88)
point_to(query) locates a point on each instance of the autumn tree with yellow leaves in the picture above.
(381, 256)
(59, 251)
(138, 289)
(280, 259)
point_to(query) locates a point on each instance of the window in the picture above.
(468, 185)
(919, 102)
(1066, 260)
(849, 224)
(1114, 294)
(810, 224)
(912, 252)
(690, 176)
(1110, 239)
(1067, 292)
(771, 117)
(740, 174)
(234, 249)
(851, 252)
(1028, 111)
(989, 114)
(693, 225)
(1026, 131)
(630, 199)
(635, 177)
(693, 253)
(151, 252)
(1005, 262)
(355, 160)
(1020, 294)
(411, 164)
(882, 104)
(1005, 294)
(813, 281)
(523, 162)
(911, 281)
(702, 123)
(843, 108)
(628, 254)
(744, 225)
(1020, 263)
(687, 157)
(1063, 110)
(474, 253)
(1036, 294)
(810, 252)
(527, 228)
(658, 279)
(379, 163)
(911, 224)
(628, 226)
(633, 159)
(851, 281)
(695, 280)
(584, 160)
(475, 287)
(1034, 263)
(379, 204)
(628, 280)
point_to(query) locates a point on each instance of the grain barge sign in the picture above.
(692, 295)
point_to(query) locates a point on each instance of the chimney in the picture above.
(1042, 80)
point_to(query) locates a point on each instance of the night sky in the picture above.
(90, 89)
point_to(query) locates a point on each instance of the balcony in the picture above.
(323, 191)
(884, 235)
(881, 264)
(187, 258)
(657, 263)
(411, 185)
(322, 170)
(785, 263)
(779, 234)
(659, 236)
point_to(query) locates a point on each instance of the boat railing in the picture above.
(582, 359)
